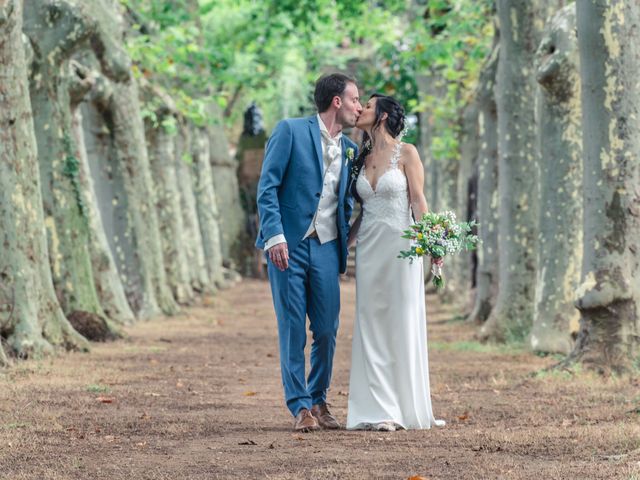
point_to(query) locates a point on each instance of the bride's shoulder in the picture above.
(408, 154)
(408, 148)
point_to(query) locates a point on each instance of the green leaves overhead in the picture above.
(271, 51)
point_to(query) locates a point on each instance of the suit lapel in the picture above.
(314, 129)
(344, 171)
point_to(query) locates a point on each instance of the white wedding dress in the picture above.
(389, 366)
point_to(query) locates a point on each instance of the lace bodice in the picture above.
(389, 202)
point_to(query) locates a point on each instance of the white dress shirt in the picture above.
(324, 220)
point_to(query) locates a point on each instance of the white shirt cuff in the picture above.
(275, 240)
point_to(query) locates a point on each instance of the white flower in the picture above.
(350, 153)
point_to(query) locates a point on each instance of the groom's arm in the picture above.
(274, 167)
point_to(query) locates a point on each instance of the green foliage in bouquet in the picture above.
(439, 235)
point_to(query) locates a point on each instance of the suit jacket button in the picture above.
(318, 195)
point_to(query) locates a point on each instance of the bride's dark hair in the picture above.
(394, 125)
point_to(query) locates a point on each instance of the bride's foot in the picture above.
(385, 427)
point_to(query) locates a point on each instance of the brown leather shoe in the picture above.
(305, 422)
(324, 416)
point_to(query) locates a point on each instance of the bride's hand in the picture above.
(439, 261)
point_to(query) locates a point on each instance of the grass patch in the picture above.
(472, 346)
(457, 319)
(562, 373)
(146, 349)
(15, 425)
(94, 388)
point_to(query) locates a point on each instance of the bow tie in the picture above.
(333, 144)
(333, 150)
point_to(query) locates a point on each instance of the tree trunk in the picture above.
(31, 319)
(109, 189)
(426, 87)
(105, 274)
(608, 298)
(141, 197)
(54, 40)
(225, 181)
(512, 317)
(193, 238)
(461, 265)
(206, 205)
(487, 164)
(161, 145)
(560, 143)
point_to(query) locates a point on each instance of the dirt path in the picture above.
(198, 396)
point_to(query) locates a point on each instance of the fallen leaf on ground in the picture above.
(250, 394)
(105, 399)
(248, 442)
(463, 417)
(418, 478)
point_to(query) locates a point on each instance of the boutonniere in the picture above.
(350, 154)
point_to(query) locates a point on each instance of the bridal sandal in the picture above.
(385, 427)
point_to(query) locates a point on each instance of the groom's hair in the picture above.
(328, 87)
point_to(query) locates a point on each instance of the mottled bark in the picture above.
(56, 29)
(105, 273)
(31, 319)
(160, 133)
(609, 296)
(206, 205)
(194, 248)
(109, 189)
(487, 207)
(128, 135)
(127, 131)
(512, 316)
(224, 168)
(460, 266)
(428, 90)
(560, 142)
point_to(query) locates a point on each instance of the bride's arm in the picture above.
(414, 171)
(353, 231)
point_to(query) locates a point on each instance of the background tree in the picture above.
(57, 30)
(560, 143)
(608, 298)
(161, 133)
(31, 320)
(520, 24)
(487, 191)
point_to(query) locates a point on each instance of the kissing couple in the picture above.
(311, 175)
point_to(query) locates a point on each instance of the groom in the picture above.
(304, 210)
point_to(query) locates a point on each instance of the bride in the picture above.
(389, 385)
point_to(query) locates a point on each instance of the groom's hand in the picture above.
(279, 255)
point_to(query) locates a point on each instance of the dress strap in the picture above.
(396, 155)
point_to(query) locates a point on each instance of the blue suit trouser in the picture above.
(310, 286)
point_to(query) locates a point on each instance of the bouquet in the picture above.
(439, 235)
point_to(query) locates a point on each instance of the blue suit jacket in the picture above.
(291, 183)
